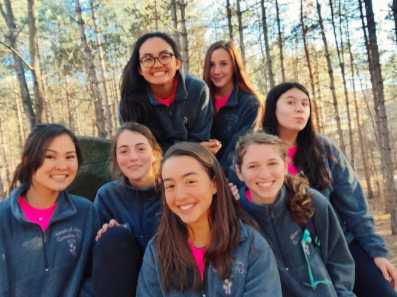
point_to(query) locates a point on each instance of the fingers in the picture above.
(235, 191)
(105, 227)
(393, 275)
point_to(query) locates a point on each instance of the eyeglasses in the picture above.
(164, 59)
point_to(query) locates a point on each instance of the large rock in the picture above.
(93, 173)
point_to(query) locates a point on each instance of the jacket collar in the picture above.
(181, 92)
(148, 192)
(278, 207)
(233, 98)
(65, 207)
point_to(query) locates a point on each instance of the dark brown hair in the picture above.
(308, 157)
(34, 151)
(173, 250)
(240, 77)
(141, 129)
(298, 200)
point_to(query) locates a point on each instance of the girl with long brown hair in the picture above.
(206, 245)
(300, 224)
(131, 201)
(288, 115)
(237, 106)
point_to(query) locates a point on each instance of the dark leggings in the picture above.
(117, 261)
(369, 279)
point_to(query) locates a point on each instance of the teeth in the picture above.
(155, 74)
(59, 176)
(265, 184)
(186, 207)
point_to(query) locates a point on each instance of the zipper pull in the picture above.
(271, 212)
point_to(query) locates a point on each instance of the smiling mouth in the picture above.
(186, 206)
(134, 167)
(265, 185)
(160, 73)
(59, 177)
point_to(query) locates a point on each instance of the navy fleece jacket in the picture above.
(52, 263)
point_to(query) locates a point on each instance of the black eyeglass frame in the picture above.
(158, 59)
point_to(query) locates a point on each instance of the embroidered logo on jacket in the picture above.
(227, 286)
(185, 119)
(71, 236)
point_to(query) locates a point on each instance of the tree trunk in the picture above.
(240, 30)
(386, 146)
(156, 17)
(34, 61)
(229, 19)
(266, 37)
(309, 67)
(11, 37)
(94, 84)
(100, 58)
(394, 8)
(280, 43)
(370, 194)
(174, 16)
(185, 51)
(320, 110)
(331, 77)
(339, 51)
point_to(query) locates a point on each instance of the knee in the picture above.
(116, 239)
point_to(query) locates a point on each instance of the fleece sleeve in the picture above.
(201, 129)
(149, 278)
(349, 199)
(334, 250)
(262, 276)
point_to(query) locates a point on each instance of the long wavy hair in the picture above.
(308, 158)
(143, 130)
(134, 104)
(173, 250)
(240, 77)
(298, 200)
(33, 152)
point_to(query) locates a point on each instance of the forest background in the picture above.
(61, 61)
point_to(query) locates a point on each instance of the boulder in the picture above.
(94, 172)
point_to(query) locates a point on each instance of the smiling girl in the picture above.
(131, 201)
(46, 234)
(205, 245)
(288, 115)
(156, 93)
(284, 208)
(236, 104)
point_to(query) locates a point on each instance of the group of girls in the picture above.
(176, 225)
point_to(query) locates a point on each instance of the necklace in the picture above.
(34, 214)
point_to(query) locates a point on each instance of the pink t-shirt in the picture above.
(291, 154)
(248, 194)
(41, 217)
(198, 255)
(169, 100)
(220, 102)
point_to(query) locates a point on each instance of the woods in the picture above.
(61, 61)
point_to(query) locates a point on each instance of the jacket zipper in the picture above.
(43, 236)
(278, 239)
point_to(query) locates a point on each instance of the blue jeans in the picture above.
(369, 279)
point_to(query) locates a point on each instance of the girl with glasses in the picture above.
(236, 104)
(47, 235)
(156, 93)
(288, 115)
(205, 245)
(300, 224)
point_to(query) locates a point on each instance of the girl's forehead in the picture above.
(154, 45)
(261, 151)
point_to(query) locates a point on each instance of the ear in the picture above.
(178, 64)
(238, 171)
(214, 186)
(286, 168)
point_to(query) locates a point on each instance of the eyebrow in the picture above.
(124, 145)
(53, 151)
(253, 162)
(296, 98)
(185, 175)
(162, 52)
